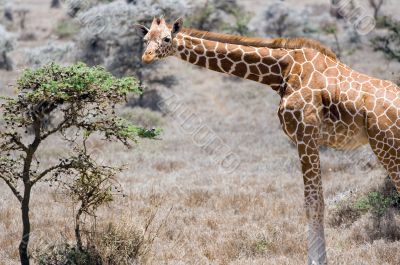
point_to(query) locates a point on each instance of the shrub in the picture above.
(340, 8)
(122, 243)
(142, 117)
(376, 211)
(149, 99)
(389, 41)
(377, 203)
(7, 42)
(311, 21)
(8, 13)
(93, 186)
(345, 213)
(77, 6)
(21, 14)
(227, 16)
(66, 29)
(52, 52)
(66, 254)
(282, 21)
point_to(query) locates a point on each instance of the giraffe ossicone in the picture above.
(323, 101)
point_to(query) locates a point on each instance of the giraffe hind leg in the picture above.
(392, 165)
(386, 146)
(395, 177)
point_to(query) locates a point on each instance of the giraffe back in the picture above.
(345, 98)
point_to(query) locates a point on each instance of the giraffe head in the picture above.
(158, 39)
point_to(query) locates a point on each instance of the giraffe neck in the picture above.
(261, 64)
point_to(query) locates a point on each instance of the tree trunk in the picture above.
(78, 229)
(26, 226)
(339, 49)
(376, 13)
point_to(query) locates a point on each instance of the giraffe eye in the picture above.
(167, 39)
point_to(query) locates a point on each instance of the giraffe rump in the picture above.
(275, 43)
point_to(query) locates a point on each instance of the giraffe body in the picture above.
(323, 101)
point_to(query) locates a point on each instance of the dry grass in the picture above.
(253, 215)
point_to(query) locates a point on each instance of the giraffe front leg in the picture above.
(314, 200)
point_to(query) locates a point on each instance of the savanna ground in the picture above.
(252, 215)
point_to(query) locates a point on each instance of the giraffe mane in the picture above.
(274, 43)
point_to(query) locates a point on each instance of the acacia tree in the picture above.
(70, 103)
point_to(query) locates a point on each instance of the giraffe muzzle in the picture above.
(148, 58)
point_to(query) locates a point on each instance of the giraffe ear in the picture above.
(177, 26)
(140, 30)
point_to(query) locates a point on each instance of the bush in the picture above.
(107, 36)
(115, 245)
(226, 16)
(122, 243)
(389, 41)
(8, 12)
(66, 29)
(66, 254)
(282, 21)
(345, 213)
(339, 8)
(7, 42)
(77, 6)
(311, 21)
(377, 203)
(52, 52)
(150, 99)
(375, 211)
(143, 117)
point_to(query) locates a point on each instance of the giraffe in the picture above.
(323, 101)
